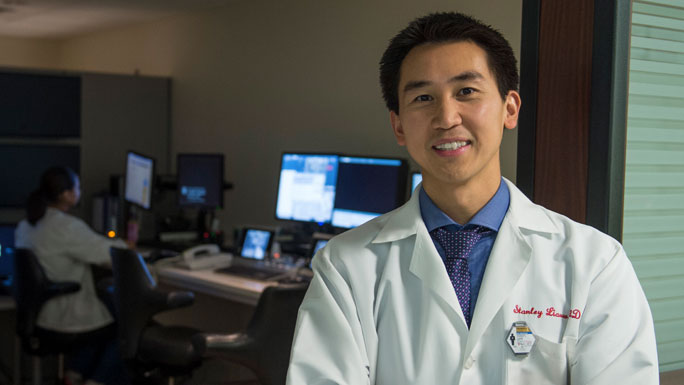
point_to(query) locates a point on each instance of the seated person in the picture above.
(66, 247)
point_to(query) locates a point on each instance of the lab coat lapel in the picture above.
(406, 225)
(427, 265)
(508, 260)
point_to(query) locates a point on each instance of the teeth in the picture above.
(451, 146)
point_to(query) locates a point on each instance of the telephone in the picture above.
(207, 256)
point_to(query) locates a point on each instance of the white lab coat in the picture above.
(382, 310)
(65, 247)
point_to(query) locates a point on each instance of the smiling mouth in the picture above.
(450, 146)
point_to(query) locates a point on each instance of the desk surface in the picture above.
(234, 288)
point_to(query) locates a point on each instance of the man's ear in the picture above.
(512, 106)
(397, 128)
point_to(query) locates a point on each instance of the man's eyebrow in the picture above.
(464, 76)
(412, 85)
(467, 75)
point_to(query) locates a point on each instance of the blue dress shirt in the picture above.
(490, 216)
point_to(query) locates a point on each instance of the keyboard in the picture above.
(253, 272)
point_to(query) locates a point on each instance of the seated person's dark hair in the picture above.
(53, 182)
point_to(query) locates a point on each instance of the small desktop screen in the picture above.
(320, 243)
(200, 180)
(317, 245)
(306, 188)
(6, 249)
(416, 178)
(367, 187)
(256, 243)
(139, 177)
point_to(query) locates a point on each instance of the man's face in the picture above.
(451, 115)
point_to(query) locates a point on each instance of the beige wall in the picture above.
(257, 78)
(29, 53)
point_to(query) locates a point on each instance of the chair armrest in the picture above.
(60, 288)
(162, 300)
(225, 345)
(176, 299)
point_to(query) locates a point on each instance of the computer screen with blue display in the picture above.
(139, 179)
(306, 188)
(6, 249)
(256, 243)
(416, 178)
(366, 188)
(200, 180)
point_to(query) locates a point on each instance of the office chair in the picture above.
(31, 289)
(264, 347)
(148, 348)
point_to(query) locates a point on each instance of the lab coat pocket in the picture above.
(546, 364)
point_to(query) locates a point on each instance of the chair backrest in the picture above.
(133, 288)
(272, 328)
(30, 290)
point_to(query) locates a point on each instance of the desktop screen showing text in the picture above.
(138, 180)
(307, 187)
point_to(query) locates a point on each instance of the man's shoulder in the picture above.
(557, 226)
(361, 236)
(585, 248)
(573, 230)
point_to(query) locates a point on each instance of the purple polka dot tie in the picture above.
(457, 246)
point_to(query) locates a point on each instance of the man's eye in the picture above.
(423, 98)
(466, 91)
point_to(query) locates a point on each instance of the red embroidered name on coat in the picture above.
(550, 312)
(518, 310)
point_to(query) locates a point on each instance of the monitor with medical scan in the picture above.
(366, 188)
(306, 188)
(200, 180)
(139, 179)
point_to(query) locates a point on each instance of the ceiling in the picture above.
(56, 19)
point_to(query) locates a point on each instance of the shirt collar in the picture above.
(490, 216)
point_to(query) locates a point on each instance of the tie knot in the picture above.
(458, 244)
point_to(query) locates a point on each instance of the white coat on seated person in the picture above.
(381, 308)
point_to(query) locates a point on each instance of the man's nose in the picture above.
(447, 114)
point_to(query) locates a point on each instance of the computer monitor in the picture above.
(200, 180)
(416, 178)
(316, 244)
(367, 187)
(318, 241)
(306, 188)
(256, 243)
(6, 249)
(139, 179)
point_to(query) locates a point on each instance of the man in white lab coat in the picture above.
(469, 282)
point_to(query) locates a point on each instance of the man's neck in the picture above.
(461, 202)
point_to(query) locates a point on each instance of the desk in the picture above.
(233, 288)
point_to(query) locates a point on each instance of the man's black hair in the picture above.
(447, 27)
